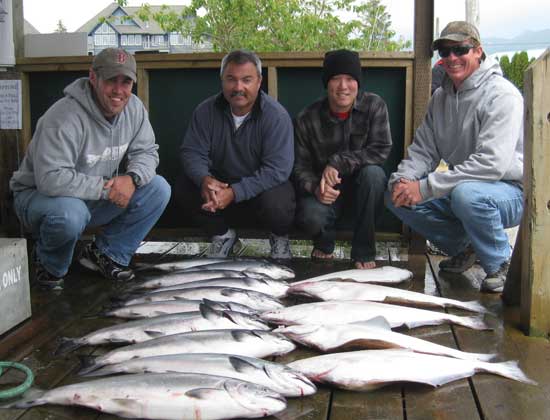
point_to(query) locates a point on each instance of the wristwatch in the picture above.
(135, 179)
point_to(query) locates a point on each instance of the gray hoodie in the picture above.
(75, 149)
(477, 130)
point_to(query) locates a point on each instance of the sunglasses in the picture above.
(457, 50)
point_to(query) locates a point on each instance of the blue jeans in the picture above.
(474, 213)
(56, 223)
(361, 202)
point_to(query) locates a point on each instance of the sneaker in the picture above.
(45, 279)
(494, 282)
(93, 259)
(460, 262)
(222, 245)
(280, 247)
(43, 276)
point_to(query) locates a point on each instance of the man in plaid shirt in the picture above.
(341, 141)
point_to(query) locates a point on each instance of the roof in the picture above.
(149, 27)
(28, 28)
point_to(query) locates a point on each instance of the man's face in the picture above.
(460, 67)
(240, 85)
(112, 94)
(342, 91)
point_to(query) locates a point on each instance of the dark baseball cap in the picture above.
(457, 31)
(112, 62)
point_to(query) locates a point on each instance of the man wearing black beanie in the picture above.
(341, 141)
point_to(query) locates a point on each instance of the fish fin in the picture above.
(154, 334)
(241, 365)
(474, 322)
(67, 345)
(474, 306)
(241, 335)
(30, 398)
(208, 312)
(87, 364)
(508, 369)
(201, 393)
(212, 303)
(377, 322)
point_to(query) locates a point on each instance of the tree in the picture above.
(281, 25)
(60, 27)
(513, 70)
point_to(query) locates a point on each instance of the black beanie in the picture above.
(341, 62)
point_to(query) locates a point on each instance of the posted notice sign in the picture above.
(10, 105)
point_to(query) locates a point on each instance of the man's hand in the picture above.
(331, 176)
(406, 193)
(215, 194)
(121, 189)
(325, 193)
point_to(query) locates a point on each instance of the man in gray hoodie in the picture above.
(70, 179)
(475, 124)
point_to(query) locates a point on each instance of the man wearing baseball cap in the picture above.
(91, 162)
(341, 141)
(475, 124)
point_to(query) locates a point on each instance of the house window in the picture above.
(157, 40)
(124, 40)
(178, 39)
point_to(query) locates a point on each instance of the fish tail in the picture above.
(483, 357)
(474, 322)
(473, 306)
(509, 370)
(67, 345)
(32, 397)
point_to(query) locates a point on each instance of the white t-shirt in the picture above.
(238, 119)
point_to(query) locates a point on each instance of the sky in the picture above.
(498, 18)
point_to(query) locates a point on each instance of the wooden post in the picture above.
(423, 37)
(535, 272)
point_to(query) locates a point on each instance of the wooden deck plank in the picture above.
(501, 398)
(453, 401)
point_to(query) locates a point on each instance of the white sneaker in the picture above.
(222, 245)
(280, 247)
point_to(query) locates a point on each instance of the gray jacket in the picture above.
(75, 149)
(477, 130)
(253, 158)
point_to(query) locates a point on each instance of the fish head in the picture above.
(255, 398)
(281, 343)
(297, 331)
(292, 381)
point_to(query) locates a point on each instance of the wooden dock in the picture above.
(70, 313)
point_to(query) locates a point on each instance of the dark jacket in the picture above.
(254, 158)
(321, 139)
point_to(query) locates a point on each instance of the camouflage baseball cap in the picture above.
(457, 31)
(112, 62)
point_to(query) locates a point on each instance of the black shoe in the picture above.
(93, 259)
(43, 276)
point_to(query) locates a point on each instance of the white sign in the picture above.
(10, 105)
(7, 52)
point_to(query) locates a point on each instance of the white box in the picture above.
(15, 299)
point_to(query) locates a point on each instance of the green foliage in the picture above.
(60, 27)
(513, 70)
(282, 25)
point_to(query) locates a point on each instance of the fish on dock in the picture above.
(365, 370)
(166, 307)
(278, 377)
(342, 290)
(346, 311)
(168, 396)
(250, 298)
(386, 275)
(271, 287)
(146, 329)
(372, 334)
(249, 266)
(182, 277)
(253, 343)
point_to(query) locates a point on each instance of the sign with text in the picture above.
(7, 51)
(10, 105)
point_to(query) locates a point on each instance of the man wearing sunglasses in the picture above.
(475, 124)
